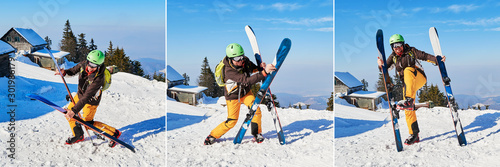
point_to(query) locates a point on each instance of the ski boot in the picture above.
(258, 138)
(116, 135)
(210, 140)
(74, 139)
(412, 139)
(407, 104)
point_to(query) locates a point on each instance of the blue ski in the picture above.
(436, 46)
(78, 119)
(278, 61)
(274, 114)
(387, 82)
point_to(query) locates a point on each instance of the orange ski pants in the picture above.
(88, 113)
(414, 80)
(233, 111)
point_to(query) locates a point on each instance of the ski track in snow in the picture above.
(366, 138)
(308, 133)
(132, 104)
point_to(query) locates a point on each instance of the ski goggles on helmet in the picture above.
(239, 58)
(92, 64)
(397, 44)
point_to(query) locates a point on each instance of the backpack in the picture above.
(219, 74)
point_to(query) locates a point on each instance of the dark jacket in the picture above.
(409, 59)
(89, 85)
(239, 80)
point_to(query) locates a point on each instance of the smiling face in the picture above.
(238, 61)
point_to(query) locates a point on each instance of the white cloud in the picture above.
(462, 8)
(280, 7)
(493, 29)
(325, 29)
(303, 21)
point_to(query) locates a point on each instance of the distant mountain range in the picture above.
(317, 102)
(150, 65)
(464, 101)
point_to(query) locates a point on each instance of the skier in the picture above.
(410, 71)
(88, 97)
(238, 81)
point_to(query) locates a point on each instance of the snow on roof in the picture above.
(5, 48)
(367, 94)
(31, 36)
(57, 54)
(173, 75)
(189, 89)
(349, 80)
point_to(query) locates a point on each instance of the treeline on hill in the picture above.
(78, 49)
(425, 93)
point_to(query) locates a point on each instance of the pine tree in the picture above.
(82, 48)
(186, 79)
(330, 103)
(110, 52)
(49, 42)
(307, 106)
(365, 84)
(432, 93)
(92, 46)
(159, 76)
(207, 79)
(68, 43)
(398, 88)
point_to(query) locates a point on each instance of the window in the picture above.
(16, 39)
(8, 39)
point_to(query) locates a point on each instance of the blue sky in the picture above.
(198, 29)
(469, 33)
(138, 27)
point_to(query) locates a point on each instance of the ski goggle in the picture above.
(397, 45)
(239, 58)
(92, 64)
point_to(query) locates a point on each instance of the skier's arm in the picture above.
(421, 55)
(91, 91)
(75, 70)
(244, 79)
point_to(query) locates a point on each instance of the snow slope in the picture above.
(132, 104)
(308, 133)
(365, 138)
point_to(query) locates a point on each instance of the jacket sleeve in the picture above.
(89, 93)
(421, 55)
(242, 78)
(75, 70)
(390, 63)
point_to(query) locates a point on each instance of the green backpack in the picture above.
(219, 74)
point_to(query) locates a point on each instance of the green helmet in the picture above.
(396, 38)
(96, 57)
(234, 50)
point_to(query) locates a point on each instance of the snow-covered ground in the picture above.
(308, 133)
(365, 138)
(134, 105)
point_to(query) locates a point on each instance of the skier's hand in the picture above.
(270, 68)
(62, 71)
(263, 65)
(444, 58)
(69, 114)
(380, 62)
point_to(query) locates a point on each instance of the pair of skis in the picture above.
(446, 81)
(78, 119)
(278, 60)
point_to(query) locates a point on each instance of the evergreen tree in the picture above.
(159, 76)
(186, 79)
(330, 103)
(300, 106)
(398, 88)
(137, 70)
(92, 46)
(49, 42)
(68, 43)
(110, 52)
(307, 106)
(432, 93)
(82, 48)
(207, 79)
(365, 84)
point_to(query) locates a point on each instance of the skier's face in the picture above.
(91, 67)
(398, 50)
(238, 61)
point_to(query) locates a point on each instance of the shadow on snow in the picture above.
(176, 121)
(351, 127)
(29, 109)
(293, 129)
(480, 123)
(141, 130)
